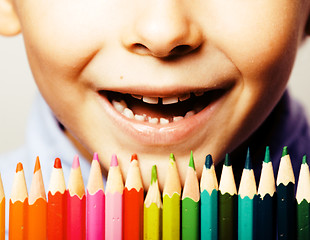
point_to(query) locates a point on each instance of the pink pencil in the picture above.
(114, 202)
(95, 202)
(76, 203)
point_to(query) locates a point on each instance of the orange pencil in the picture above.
(18, 205)
(133, 202)
(56, 205)
(36, 225)
(2, 211)
(76, 203)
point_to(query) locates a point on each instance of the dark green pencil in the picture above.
(227, 227)
(286, 208)
(303, 199)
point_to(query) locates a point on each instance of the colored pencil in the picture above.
(190, 203)
(266, 220)
(286, 209)
(114, 202)
(153, 210)
(171, 202)
(36, 224)
(76, 203)
(209, 201)
(246, 201)
(95, 202)
(2, 211)
(303, 201)
(133, 202)
(18, 205)
(56, 204)
(227, 228)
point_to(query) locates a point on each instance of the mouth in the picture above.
(162, 118)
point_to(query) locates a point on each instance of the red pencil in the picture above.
(36, 224)
(56, 206)
(76, 204)
(133, 202)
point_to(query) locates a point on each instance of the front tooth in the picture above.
(119, 106)
(185, 97)
(178, 118)
(151, 100)
(164, 121)
(139, 117)
(189, 114)
(137, 96)
(153, 120)
(128, 113)
(170, 100)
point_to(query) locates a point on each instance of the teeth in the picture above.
(178, 118)
(137, 96)
(153, 120)
(170, 100)
(198, 94)
(164, 121)
(128, 113)
(119, 106)
(151, 100)
(189, 114)
(185, 97)
(139, 117)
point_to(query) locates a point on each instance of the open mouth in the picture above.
(161, 110)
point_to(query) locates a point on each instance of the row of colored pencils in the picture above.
(201, 211)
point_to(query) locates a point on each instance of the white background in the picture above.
(17, 88)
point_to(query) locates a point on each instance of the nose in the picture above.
(162, 29)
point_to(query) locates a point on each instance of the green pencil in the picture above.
(266, 220)
(171, 202)
(209, 201)
(153, 210)
(227, 215)
(286, 210)
(190, 204)
(246, 201)
(303, 201)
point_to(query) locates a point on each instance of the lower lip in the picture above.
(151, 134)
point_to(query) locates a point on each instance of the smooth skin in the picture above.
(159, 48)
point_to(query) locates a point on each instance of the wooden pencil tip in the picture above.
(154, 174)
(227, 162)
(134, 157)
(114, 161)
(172, 157)
(209, 161)
(284, 152)
(191, 161)
(76, 162)
(248, 162)
(19, 167)
(37, 166)
(304, 159)
(57, 163)
(267, 155)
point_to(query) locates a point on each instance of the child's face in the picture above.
(86, 54)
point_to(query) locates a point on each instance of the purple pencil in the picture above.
(95, 203)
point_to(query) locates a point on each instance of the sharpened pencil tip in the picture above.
(154, 174)
(267, 155)
(95, 157)
(114, 161)
(284, 152)
(209, 161)
(248, 162)
(57, 163)
(304, 159)
(37, 165)
(191, 161)
(134, 157)
(19, 167)
(172, 157)
(227, 162)
(76, 162)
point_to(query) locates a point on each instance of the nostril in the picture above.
(139, 48)
(181, 50)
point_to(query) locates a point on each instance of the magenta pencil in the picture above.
(95, 203)
(76, 208)
(114, 202)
